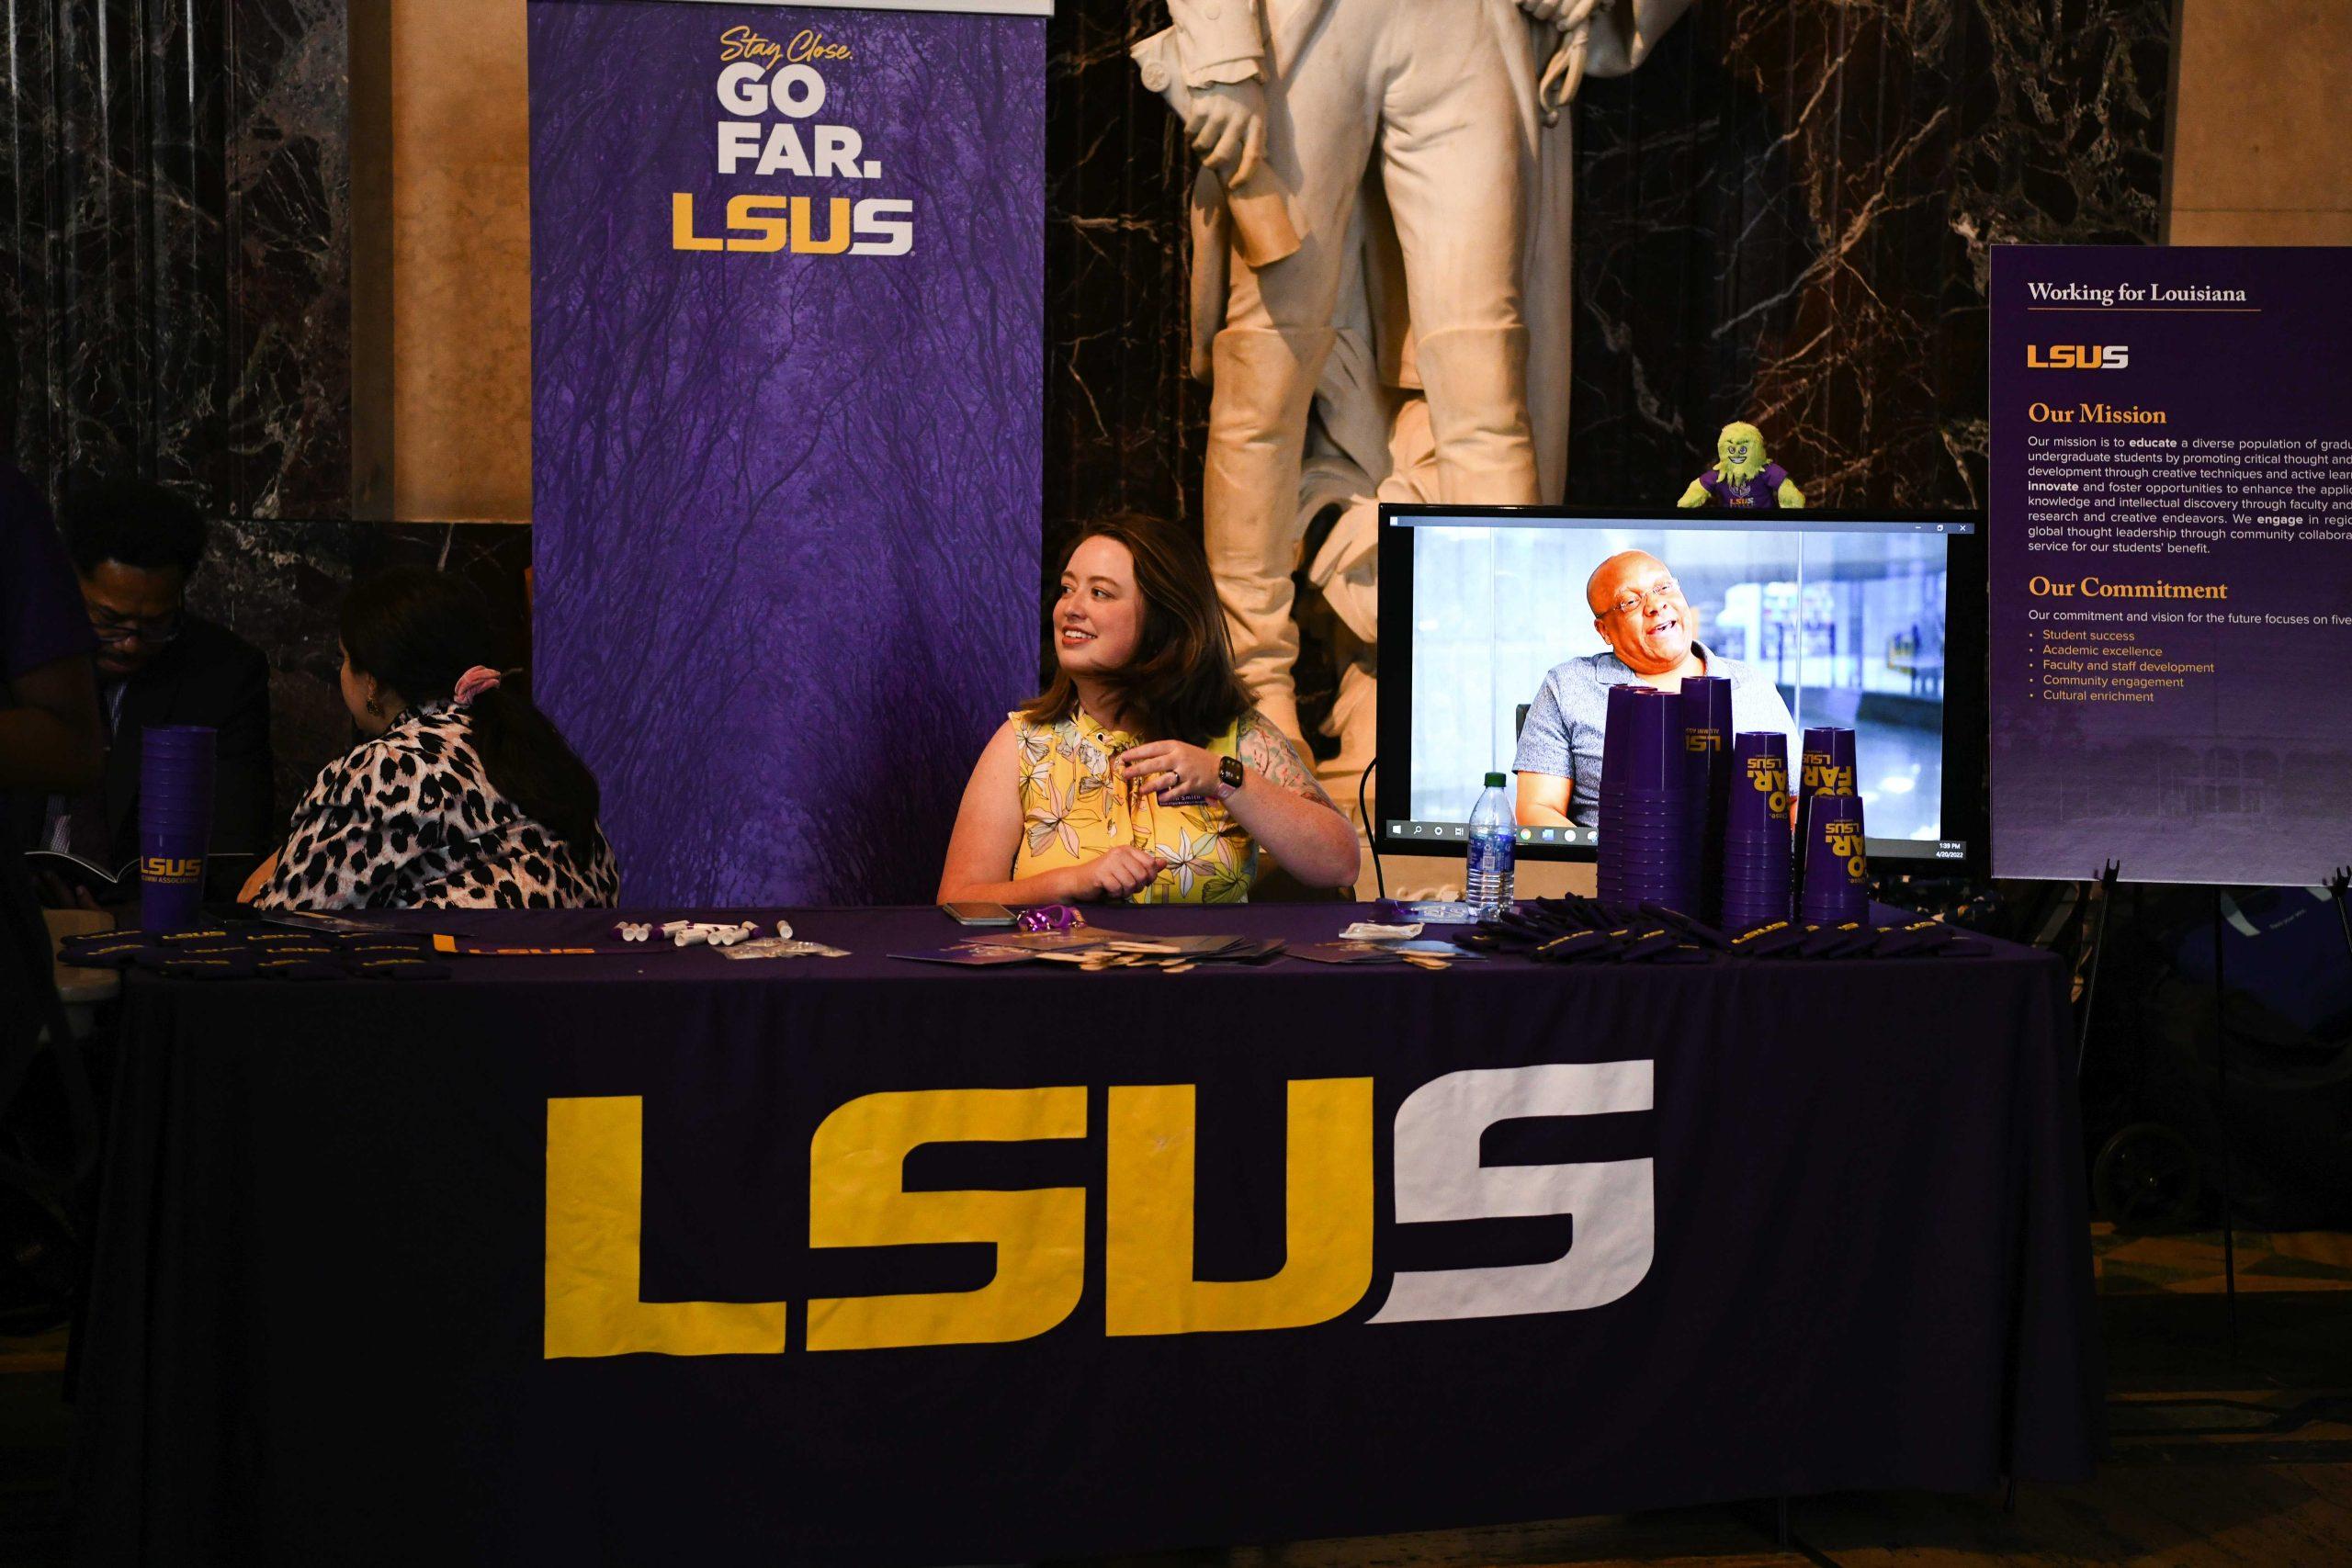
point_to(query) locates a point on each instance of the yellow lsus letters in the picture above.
(1824, 777)
(1845, 842)
(596, 1187)
(1767, 776)
(1148, 1239)
(764, 225)
(857, 1198)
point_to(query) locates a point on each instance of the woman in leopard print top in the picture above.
(460, 795)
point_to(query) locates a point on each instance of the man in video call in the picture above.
(134, 548)
(1639, 611)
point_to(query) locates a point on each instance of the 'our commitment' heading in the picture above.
(2092, 588)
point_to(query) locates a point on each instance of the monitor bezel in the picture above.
(1966, 631)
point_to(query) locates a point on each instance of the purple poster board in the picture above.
(2171, 553)
(788, 324)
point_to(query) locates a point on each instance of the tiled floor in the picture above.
(2192, 1264)
(2227, 1450)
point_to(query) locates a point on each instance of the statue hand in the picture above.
(1565, 15)
(1228, 128)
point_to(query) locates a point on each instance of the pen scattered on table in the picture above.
(260, 954)
(1353, 950)
(1578, 930)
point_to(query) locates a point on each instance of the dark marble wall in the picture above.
(1782, 216)
(1785, 215)
(1124, 424)
(174, 254)
(175, 277)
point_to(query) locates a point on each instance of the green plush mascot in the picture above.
(1743, 477)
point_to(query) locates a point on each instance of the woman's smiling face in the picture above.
(1098, 619)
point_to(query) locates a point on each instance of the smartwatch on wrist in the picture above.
(1229, 776)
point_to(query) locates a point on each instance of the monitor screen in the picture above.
(1495, 656)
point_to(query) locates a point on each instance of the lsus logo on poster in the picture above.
(857, 1198)
(766, 89)
(2078, 357)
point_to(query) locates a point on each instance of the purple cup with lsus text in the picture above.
(1837, 862)
(175, 779)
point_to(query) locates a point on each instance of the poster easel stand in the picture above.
(2098, 951)
(2227, 1173)
(2341, 885)
(2222, 1122)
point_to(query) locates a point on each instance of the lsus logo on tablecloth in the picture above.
(858, 1199)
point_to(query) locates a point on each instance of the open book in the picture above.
(74, 873)
(54, 872)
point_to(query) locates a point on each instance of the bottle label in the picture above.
(1490, 853)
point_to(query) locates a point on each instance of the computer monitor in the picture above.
(1872, 620)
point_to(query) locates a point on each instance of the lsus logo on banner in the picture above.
(764, 88)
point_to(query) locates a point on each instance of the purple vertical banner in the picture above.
(787, 322)
(2171, 556)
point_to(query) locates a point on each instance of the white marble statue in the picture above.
(1380, 284)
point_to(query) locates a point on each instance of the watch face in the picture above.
(1229, 772)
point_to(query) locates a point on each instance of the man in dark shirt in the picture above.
(134, 548)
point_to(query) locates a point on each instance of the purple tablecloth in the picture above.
(319, 1330)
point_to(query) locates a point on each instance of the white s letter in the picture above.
(885, 227)
(1438, 1178)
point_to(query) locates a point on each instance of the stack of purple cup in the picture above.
(1648, 846)
(1706, 739)
(1755, 858)
(1837, 867)
(175, 773)
(1828, 768)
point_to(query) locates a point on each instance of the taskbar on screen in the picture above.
(1452, 833)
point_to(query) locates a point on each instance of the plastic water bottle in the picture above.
(1493, 851)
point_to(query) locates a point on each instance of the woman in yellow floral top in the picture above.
(1143, 773)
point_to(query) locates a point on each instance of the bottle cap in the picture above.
(1496, 781)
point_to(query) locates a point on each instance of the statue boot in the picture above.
(1476, 379)
(1264, 385)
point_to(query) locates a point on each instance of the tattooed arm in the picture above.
(1287, 812)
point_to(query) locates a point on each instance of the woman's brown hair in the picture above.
(1180, 684)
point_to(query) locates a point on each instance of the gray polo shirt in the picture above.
(1565, 723)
